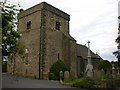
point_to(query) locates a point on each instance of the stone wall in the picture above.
(82, 53)
(31, 39)
(73, 59)
(57, 42)
(80, 65)
(45, 43)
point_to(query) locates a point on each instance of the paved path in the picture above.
(12, 81)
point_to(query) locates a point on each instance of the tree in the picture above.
(57, 67)
(10, 34)
(116, 64)
(117, 53)
(104, 64)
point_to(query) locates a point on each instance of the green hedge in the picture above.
(57, 67)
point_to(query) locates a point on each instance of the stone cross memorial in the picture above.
(89, 67)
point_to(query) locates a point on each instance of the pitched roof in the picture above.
(82, 51)
(69, 36)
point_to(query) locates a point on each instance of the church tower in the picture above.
(45, 34)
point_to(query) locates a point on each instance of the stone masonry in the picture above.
(45, 34)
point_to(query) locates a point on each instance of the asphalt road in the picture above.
(12, 81)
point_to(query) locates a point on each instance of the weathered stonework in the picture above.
(45, 43)
(82, 58)
(66, 75)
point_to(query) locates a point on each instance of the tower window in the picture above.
(29, 25)
(57, 25)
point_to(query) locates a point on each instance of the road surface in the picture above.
(12, 81)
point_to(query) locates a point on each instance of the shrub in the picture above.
(104, 77)
(52, 76)
(118, 77)
(82, 74)
(57, 67)
(86, 83)
(68, 81)
(105, 65)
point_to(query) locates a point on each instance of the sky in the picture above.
(93, 20)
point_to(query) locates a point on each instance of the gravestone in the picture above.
(98, 74)
(113, 71)
(66, 75)
(61, 76)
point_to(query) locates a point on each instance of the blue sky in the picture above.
(93, 20)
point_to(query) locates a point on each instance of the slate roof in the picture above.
(82, 51)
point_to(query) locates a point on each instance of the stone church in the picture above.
(45, 33)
